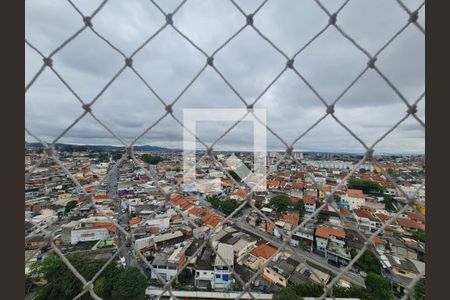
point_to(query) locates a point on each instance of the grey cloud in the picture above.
(169, 62)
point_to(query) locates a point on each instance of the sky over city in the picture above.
(168, 63)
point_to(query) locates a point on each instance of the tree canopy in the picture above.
(129, 284)
(153, 160)
(280, 202)
(367, 186)
(419, 290)
(368, 262)
(418, 236)
(70, 205)
(378, 287)
(298, 291)
(226, 206)
(300, 206)
(390, 203)
(113, 283)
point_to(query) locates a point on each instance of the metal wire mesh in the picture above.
(87, 24)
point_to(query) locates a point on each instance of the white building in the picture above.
(88, 234)
(222, 265)
(162, 222)
(354, 198)
(163, 267)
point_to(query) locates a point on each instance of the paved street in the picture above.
(122, 219)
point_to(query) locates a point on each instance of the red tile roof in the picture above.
(325, 232)
(297, 185)
(416, 216)
(382, 217)
(407, 223)
(291, 218)
(240, 193)
(265, 251)
(345, 212)
(309, 199)
(355, 193)
(197, 211)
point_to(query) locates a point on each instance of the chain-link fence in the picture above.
(87, 23)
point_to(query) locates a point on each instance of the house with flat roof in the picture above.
(222, 264)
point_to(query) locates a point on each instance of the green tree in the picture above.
(418, 236)
(300, 206)
(287, 294)
(116, 155)
(70, 205)
(215, 202)
(209, 287)
(62, 283)
(352, 292)
(389, 202)
(228, 206)
(367, 186)
(130, 284)
(378, 287)
(153, 160)
(337, 198)
(185, 277)
(280, 202)
(298, 291)
(419, 290)
(368, 262)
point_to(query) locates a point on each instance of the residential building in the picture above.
(354, 198)
(222, 264)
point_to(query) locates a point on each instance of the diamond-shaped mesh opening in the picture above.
(132, 24)
(371, 17)
(170, 214)
(206, 92)
(319, 66)
(408, 51)
(162, 54)
(218, 21)
(255, 59)
(59, 21)
(306, 15)
(133, 104)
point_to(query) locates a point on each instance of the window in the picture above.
(217, 276)
(225, 277)
(204, 273)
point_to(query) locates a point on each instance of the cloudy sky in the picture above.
(250, 63)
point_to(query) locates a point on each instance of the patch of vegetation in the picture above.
(114, 282)
(225, 206)
(280, 202)
(367, 186)
(153, 160)
(70, 205)
(368, 262)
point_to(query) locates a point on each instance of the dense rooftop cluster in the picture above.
(169, 233)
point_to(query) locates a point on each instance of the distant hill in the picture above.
(71, 147)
